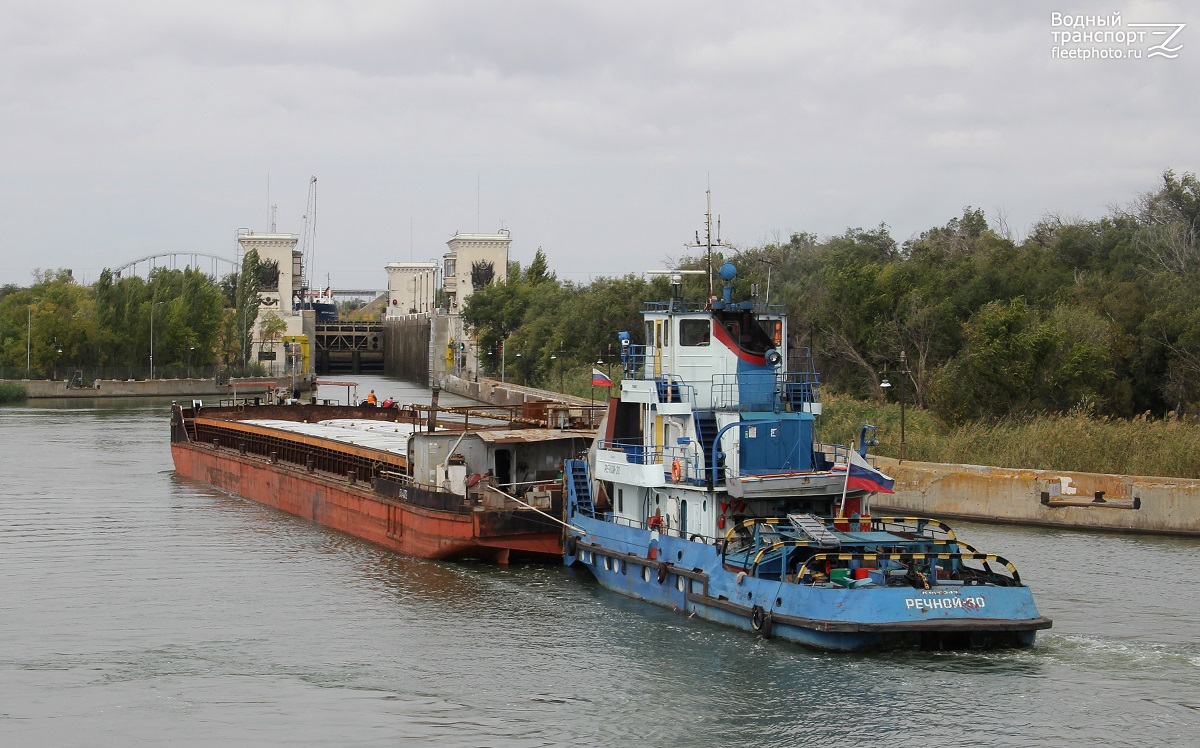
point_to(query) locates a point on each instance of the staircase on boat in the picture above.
(579, 488)
(706, 432)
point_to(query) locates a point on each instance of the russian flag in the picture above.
(865, 477)
(600, 379)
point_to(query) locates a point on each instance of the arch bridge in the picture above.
(177, 261)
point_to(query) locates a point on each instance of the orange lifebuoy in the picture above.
(676, 471)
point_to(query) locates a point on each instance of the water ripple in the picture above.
(139, 607)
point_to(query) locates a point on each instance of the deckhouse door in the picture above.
(658, 347)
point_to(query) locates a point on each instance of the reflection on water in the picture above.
(141, 607)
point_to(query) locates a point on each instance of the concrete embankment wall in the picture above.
(1042, 497)
(406, 347)
(39, 388)
(495, 392)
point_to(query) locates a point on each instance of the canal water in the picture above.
(136, 607)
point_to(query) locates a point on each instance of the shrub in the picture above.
(12, 392)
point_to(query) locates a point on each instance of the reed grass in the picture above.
(11, 392)
(1167, 447)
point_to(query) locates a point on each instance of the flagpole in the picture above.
(846, 485)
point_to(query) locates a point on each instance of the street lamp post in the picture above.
(29, 334)
(190, 349)
(242, 340)
(152, 338)
(592, 397)
(28, 337)
(885, 384)
(291, 360)
(554, 357)
(904, 372)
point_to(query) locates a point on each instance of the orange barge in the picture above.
(454, 490)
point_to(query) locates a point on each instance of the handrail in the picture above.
(926, 521)
(914, 556)
(712, 465)
(817, 558)
(876, 523)
(656, 454)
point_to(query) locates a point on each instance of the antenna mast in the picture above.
(308, 239)
(708, 243)
(708, 238)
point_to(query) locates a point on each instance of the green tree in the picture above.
(271, 328)
(248, 286)
(1017, 364)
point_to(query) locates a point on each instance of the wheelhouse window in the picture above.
(747, 332)
(773, 328)
(694, 332)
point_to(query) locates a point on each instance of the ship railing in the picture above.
(636, 452)
(637, 362)
(782, 471)
(685, 454)
(286, 450)
(918, 567)
(664, 528)
(674, 305)
(915, 527)
(835, 456)
(768, 542)
(755, 532)
(671, 388)
(766, 391)
(400, 487)
(927, 568)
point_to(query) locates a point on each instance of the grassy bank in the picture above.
(1141, 446)
(11, 392)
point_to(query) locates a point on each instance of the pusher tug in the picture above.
(707, 492)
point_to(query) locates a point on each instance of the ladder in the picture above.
(579, 485)
(706, 432)
(813, 527)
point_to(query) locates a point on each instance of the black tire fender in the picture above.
(662, 572)
(572, 546)
(761, 621)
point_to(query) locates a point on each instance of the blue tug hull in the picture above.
(689, 577)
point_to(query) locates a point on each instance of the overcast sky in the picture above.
(590, 129)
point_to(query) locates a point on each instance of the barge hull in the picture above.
(359, 511)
